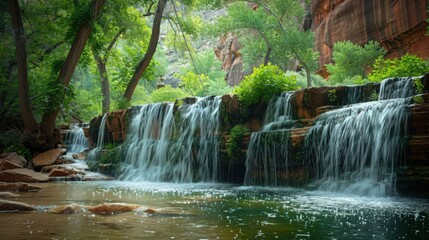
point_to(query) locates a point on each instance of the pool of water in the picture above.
(214, 211)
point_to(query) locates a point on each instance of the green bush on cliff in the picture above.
(406, 66)
(234, 144)
(351, 61)
(264, 83)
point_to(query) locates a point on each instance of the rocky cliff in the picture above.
(399, 25)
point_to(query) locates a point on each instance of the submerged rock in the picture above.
(48, 157)
(6, 205)
(8, 195)
(112, 208)
(18, 186)
(68, 209)
(22, 175)
(79, 156)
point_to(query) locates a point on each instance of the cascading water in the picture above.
(392, 88)
(75, 140)
(268, 155)
(101, 131)
(93, 153)
(179, 147)
(356, 149)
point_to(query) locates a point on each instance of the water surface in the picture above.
(215, 211)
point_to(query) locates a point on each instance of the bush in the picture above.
(234, 144)
(406, 66)
(264, 83)
(166, 94)
(351, 60)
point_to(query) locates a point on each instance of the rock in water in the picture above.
(18, 186)
(8, 195)
(48, 157)
(112, 208)
(68, 209)
(15, 206)
(22, 175)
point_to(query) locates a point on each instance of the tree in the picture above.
(150, 51)
(30, 124)
(352, 60)
(83, 31)
(276, 27)
(47, 124)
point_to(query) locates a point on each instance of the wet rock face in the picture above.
(400, 26)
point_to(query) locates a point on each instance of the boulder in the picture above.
(6, 205)
(58, 172)
(48, 157)
(68, 209)
(13, 158)
(79, 156)
(112, 208)
(144, 210)
(18, 186)
(8, 195)
(6, 165)
(22, 175)
(66, 167)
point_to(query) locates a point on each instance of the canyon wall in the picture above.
(399, 25)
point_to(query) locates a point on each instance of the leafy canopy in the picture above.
(406, 66)
(351, 60)
(264, 83)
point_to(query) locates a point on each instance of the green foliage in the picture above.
(274, 25)
(19, 149)
(193, 84)
(264, 83)
(418, 85)
(332, 96)
(374, 96)
(166, 94)
(351, 60)
(235, 141)
(418, 99)
(301, 79)
(406, 66)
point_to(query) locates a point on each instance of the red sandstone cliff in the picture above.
(399, 25)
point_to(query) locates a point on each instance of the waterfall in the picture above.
(101, 131)
(268, 155)
(357, 148)
(93, 154)
(392, 88)
(173, 146)
(75, 140)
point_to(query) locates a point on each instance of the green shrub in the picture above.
(234, 144)
(264, 83)
(351, 60)
(406, 66)
(166, 94)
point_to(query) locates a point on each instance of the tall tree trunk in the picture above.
(153, 43)
(30, 124)
(105, 87)
(47, 125)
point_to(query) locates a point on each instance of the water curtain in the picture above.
(170, 145)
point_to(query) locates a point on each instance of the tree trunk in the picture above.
(48, 121)
(30, 124)
(105, 88)
(144, 63)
